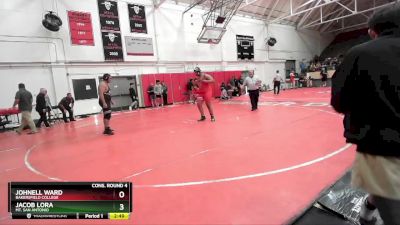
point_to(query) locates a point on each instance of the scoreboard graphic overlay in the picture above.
(70, 200)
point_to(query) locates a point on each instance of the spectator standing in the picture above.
(158, 91)
(41, 108)
(133, 96)
(24, 99)
(365, 89)
(152, 96)
(164, 92)
(277, 82)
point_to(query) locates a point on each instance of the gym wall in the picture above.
(41, 58)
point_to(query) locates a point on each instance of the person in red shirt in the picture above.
(292, 80)
(203, 84)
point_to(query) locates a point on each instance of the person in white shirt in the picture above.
(158, 91)
(277, 82)
(48, 106)
(309, 81)
(253, 87)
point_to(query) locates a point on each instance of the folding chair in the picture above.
(55, 115)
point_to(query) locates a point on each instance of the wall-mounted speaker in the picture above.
(271, 41)
(220, 19)
(51, 21)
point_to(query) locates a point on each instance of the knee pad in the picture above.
(107, 114)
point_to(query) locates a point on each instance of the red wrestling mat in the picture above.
(261, 167)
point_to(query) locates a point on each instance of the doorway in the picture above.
(289, 66)
(119, 88)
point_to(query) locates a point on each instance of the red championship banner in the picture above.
(80, 26)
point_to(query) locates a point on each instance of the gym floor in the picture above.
(261, 167)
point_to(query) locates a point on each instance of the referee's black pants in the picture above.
(277, 85)
(43, 118)
(254, 94)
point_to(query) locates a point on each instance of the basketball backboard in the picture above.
(211, 35)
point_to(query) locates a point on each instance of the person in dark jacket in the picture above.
(324, 76)
(41, 108)
(67, 104)
(152, 96)
(365, 89)
(23, 98)
(190, 86)
(105, 102)
(237, 87)
(223, 86)
(132, 94)
(164, 92)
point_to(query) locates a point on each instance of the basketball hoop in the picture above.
(211, 35)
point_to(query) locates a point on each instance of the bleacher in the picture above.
(344, 42)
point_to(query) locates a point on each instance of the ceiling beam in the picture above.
(304, 11)
(192, 5)
(345, 7)
(159, 4)
(315, 22)
(304, 4)
(342, 17)
(325, 16)
(347, 27)
(272, 10)
(291, 6)
(248, 2)
(305, 17)
(363, 14)
(266, 9)
(320, 13)
(342, 23)
(355, 6)
(324, 28)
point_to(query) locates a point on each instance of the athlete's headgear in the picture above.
(106, 76)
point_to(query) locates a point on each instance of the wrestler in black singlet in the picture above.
(107, 99)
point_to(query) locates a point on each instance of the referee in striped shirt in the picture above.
(253, 87)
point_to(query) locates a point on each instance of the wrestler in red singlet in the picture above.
(204, 93)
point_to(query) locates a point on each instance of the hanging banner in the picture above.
(110, 30)
(245, 47)
(112, 44)
(80, 27)
(139, 46)
(137, 18)
(108, 13)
